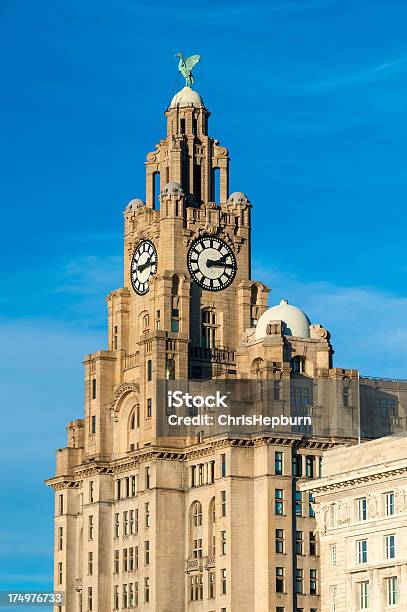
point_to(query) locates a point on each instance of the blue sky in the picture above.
(310, 97)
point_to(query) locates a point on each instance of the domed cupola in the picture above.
(296, 323)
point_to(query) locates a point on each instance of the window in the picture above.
(169, 368)
(146, 590)
(276, 388)
(212, 472)
(390, 546)
(90, 563)
(157, 319)
(116, 562)
(278, 463)
(364, 595)
(136, 521)
(298, 543)
(312, 544)
(332, 598)
(392, 591)
(147, 477)
(90, 598)
(298, 503)
(279, 580)
(313, 581)
(196, 587)
(60, 538)
(223, 503)
(91, 492)
(60, 572)
(126, 523)
(211, 585)
(346, 397)
(362, 509)
(223, 465)
(136, 558)
(197, 549)
(280, 541)
(93, 425)
(93, 388)
(61, 504)
(223, 581)
(147, 514)
(131, 595)
(118, 488)
(279, 501)
(297, 364)
(127, 484)
(136, 594)
(90, 527)
(208, 329)
(279, 609)
(332, 515)
(296, 465)
(131, 559)
(389, 503)
(147, 553)
(175, 320)
(311, 511)
(197, 514)
(309, 466)
(320, 461)
(133, 486)
(125, 560)
(149, 408)
(149, 370)
(131, 521)
(116, 525)
(125, 600)
(333, 555)
(223, 542)
(299, 581)
(361, 551)
(116, 597)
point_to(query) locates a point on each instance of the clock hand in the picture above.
(145, 265)
(218, 263)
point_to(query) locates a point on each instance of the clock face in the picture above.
(143, 266)
(212, 263)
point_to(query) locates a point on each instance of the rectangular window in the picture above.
(298, 543)
(90, 563)
(361, 551)
(312, 544)
(223, 585)
(311, 511)
(146, 552)
(131, 559)
(147, 477)
(223, 542)
(309, 466)
(60, 538)
(146, 590)
(211, 585)
(212, 472)
(118, 488)
(125, 600)
(362, 509)
(196, 587)
(93, 388)
(136, 521)
(60, 572)
(90, 598)
(389, 503)
(223, 503)
(116, 597)
(149, 370)
(131, 522)
(279, 501)
(136, 600)
(299, 581)
(392, 591)
(280, 588)
(90, 527)
(364, 595)
(147, 514)
(197, 549)
(280, 541)
(125, 560)
(298, 503)
(136, 558)
(278, 463)
(93, 425)
(116, 562)
(125, 523)
(61, 503)
(131, 595)
(332, 515)
(313, 582)
(91, 492)
(133, 486)
(149, 408)
(346, 394)
(116, 525)
(157, 319)
(223, 465)
(390, 546)
(277, 390)
(332, 598)
(296, 465)
(333, 555)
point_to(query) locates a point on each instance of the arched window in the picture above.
(297, 364)
(211, 524)
(170, 368)
(256, 367)
(132, 422)
(254, 309)
(209, 328)
(197, 514)
(156, 190)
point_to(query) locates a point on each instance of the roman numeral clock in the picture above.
(143, 266)
(211, 263)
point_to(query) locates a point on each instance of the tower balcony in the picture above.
(208, 362)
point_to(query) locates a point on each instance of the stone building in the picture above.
(361, 510)
(208, 521)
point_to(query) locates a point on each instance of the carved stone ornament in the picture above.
(120, 391)
(318, 332)
(274, 328)
(247, 336)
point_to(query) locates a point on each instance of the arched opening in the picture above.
(197, 184)
(256, 367)
(212, 527)
(215, 185)
(195, 530)
(156, 190)
(254, 309)
(297, 364)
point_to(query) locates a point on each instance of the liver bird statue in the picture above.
(185, 67)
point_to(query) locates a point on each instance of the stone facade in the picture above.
(213, 523)
(361, 510)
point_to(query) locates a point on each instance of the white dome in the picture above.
(187, 97)
(134, 204)
(296, 322)
(238, 197)
(172, 187)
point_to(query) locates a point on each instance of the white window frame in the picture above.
(390, 546)
(362, 509)
(364, 595)
(389, 504)
(360, 552)
(333, 555)
(392, 591)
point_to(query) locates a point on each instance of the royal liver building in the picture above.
(182, 518)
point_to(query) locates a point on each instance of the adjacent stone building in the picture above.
(361, 510)
(208, 522)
